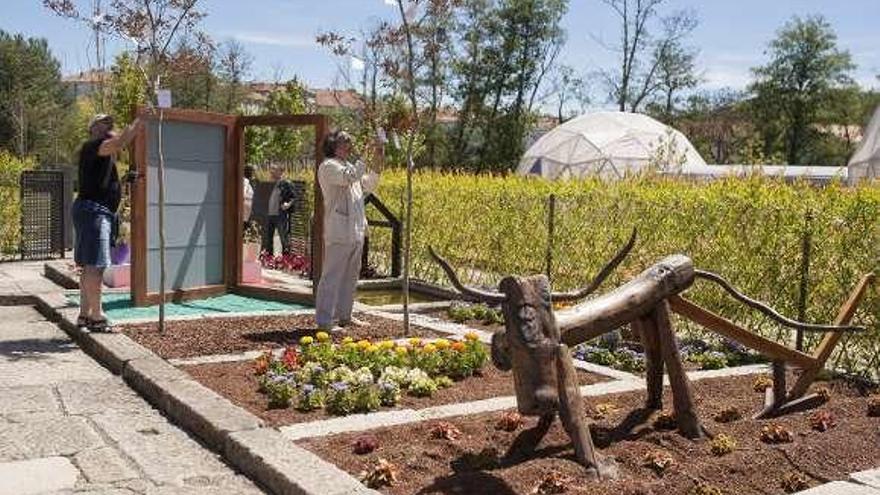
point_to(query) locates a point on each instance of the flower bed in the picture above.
(696, 354)
(237, 382)
(357, 377)
(480, 453)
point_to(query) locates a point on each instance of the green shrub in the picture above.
(11, 168)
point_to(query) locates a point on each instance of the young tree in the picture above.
(642, 53)
(797, 83)
(233, 67)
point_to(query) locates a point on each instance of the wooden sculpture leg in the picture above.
(653, 360)
(682, 400)
(571, 412)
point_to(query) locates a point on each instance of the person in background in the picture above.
(278, 215)
(247, 200)
(344, 182)
(94, 211)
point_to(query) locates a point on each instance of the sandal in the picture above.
(100, 326)
(82, 322)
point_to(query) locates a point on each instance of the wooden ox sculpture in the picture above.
(535, 343)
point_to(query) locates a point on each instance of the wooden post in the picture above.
(653, 360)
(682, 400)
(823, 352)
(571, 410)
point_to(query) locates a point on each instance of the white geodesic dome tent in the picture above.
(607, 144)
(865, 163)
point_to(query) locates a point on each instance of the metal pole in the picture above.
(806, 244)
(161, 225)
(551, 227)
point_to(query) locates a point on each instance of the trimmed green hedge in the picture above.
(11, 168)
(749, 230)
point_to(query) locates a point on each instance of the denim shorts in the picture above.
(93, 223)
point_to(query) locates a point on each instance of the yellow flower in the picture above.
(363, 344)
(372, 348)
(350, 346)
(472, 336)
(322, 336)
(430, 348)
(415, 341)
(387, 344)
(307, 340)
(441, 344)
(347, 340)
(401, 350)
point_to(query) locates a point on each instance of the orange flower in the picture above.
(458, 346)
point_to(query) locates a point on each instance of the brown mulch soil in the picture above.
(441, 314)
(238, 383)
(430, 465)
(203, 337)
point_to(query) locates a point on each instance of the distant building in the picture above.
(84, 84)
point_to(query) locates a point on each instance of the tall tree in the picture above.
(33, 103)
(791, 90)
(643, 51)
(233, 67)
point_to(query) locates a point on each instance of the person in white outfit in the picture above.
(344, 184)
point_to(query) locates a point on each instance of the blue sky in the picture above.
(732, 34)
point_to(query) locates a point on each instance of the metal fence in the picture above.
(44, 214)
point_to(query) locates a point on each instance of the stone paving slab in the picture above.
(46, 437)
(27, 399)
(840, 488)
(104, 465)
(159, 449)
(85, 398)
(870, 477)
(35, 476)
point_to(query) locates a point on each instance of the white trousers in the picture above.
(340, 269)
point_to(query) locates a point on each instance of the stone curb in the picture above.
(263, 454)
(280, 465)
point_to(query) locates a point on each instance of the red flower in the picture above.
(290, 358)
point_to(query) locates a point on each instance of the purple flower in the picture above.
(339, 386)
(308, 388)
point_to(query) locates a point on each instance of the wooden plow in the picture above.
(536, 340)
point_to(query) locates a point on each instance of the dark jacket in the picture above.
(286, 195)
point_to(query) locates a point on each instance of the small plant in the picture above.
(705, 489)
(309, 398)
(422, 386)
(280, 392)
(712, 360)
(261, 363)
(665, 421)
(366, 398)
(762, 383)
(874, 406)
(658, 460)
(443, 381)
(776, 433)
(824, 393)
(510, 421)
(382, 474)
(389, 393)
(794, 482)
(722, 445)
(340, 399)
(252, 234)
(728, 415)
(445, 431)
(552, 483)
(365, 444)
(601, 411)
(822, 421)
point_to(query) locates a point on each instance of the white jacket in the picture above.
(344, 186)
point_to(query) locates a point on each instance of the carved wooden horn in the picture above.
(603, 274)
(480, 295)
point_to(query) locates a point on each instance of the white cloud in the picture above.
(275, 39)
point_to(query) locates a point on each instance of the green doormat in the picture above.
(118, 307)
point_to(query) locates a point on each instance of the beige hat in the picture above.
(101, 117)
